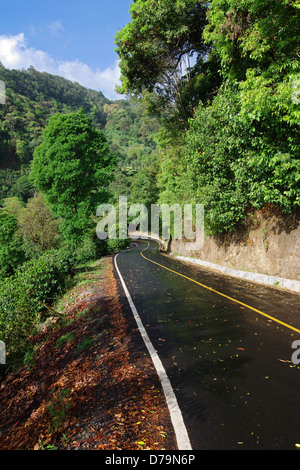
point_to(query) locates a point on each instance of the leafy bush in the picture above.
(37, 284)
(24, 295)
(235, 160)
(213, 145)
(91, 248)
(11, 251)
(117, 245)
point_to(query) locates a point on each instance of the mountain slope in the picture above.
(33, 97)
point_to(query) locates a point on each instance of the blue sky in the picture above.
(74, 39)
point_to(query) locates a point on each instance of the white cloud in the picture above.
(16, 54)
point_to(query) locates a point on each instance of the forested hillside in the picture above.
(33, 97)
(64, 150)
(212, 117)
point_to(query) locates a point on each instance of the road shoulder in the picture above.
(90, 384)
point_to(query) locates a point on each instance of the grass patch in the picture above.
(58, 408)
(67, 338)
(85, 343)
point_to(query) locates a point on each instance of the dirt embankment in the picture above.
(90, 383)
(268, 243)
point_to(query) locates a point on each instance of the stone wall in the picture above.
(268, 243)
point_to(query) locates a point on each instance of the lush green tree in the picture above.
(258, 45)
(214, 142)
(14, 206)
(12, 254)
(15, 183)
(144, 188)
(254, 33)
(72, 168)
(161, 33)
(232, 165)
(33, 97)
(156, 48)
(242, 146)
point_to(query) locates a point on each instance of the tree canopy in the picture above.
(230, 136)
(160, 35)
(156, 49)
(72, 167)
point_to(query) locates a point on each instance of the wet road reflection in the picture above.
(230, 367)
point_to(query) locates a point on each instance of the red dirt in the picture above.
(96, 390)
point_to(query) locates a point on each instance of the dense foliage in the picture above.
(237, 147)
(232, 167)
(157, 50)
(11, 252)
(47, 234)
(33, 97)
(72, 168)
(131, 133)
(23, 296)
(212, 117)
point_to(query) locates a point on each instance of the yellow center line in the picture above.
(219, 293)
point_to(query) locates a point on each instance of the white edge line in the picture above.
(183, 441)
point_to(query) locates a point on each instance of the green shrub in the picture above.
(114, 246)
(235, 161)
(12, 254)
(36, 285)
(67, 338)
(23, 296)
(90, 249)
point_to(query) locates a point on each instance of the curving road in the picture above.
(226, 347)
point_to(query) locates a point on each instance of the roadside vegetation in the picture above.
(44, 241)
(86, 381)
(223, 79)
(212, 117)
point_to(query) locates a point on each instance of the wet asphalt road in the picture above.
(229, 366)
